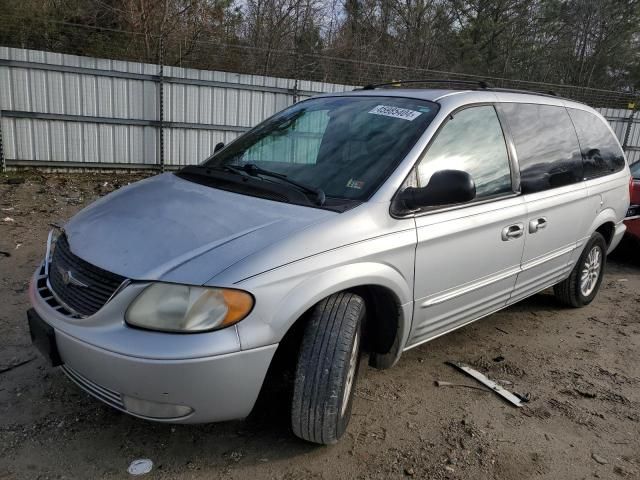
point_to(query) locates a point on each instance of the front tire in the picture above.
(328, 365)
(584, 282)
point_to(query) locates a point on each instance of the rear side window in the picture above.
(601, 152)
(546, 144)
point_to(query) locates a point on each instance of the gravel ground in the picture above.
(580, 367)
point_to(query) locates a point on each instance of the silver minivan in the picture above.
(371, 221)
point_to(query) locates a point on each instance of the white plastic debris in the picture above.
(8, 220)
(140, 466)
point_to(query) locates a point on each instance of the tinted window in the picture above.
(472, 141)
(600, 150)
(635, 170)
(546, 144)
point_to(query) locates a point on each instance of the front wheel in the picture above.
(584, 282)
(327, 368)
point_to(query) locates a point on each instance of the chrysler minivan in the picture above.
(371, 221)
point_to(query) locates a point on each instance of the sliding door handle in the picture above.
(537, 224)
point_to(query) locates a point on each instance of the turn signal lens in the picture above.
(239, 304)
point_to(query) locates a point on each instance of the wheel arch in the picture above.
(607, 230)
(605, 224)
(384, 289)
(387, 295)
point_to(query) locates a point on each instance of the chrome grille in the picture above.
(42, 286)
(77, 284)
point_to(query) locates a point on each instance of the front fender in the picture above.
(282, 298)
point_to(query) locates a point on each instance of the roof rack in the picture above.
(477, 83)
(548, 93)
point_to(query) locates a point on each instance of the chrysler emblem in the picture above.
(69, 279)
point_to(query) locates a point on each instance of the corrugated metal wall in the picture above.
(62, 98)
(66, 110)
(232, 110)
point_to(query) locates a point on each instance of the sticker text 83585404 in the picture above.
(395, 112)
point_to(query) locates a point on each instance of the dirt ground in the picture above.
(580, 367)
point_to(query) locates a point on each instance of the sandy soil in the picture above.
(580, 367)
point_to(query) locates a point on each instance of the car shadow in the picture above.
(545, 300)
(627, 254)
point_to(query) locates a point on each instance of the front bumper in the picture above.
(633, 228)
(224, 387)
(201, 377)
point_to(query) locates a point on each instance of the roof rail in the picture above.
(548, 93)
(480, 84)
(477, 83)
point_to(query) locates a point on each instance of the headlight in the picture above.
(181, 308)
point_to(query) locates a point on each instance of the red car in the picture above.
(633, 214)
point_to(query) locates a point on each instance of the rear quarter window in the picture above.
(546, 145)
(601, 152)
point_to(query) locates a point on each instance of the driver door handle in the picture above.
(537, 224)
(512, 232)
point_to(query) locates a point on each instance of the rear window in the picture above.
(546, 144)
(601, 152)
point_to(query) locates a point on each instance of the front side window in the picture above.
(345, 146)
(472, 141)
(546, 144)
(601, 152)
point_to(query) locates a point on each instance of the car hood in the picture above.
(167, 228)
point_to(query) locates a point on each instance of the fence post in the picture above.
(161, 105)
(3, 164)
(630, 121)
(295, 90)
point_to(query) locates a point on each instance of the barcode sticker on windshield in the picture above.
(395, 112)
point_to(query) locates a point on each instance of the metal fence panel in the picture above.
(79, 110)
(618, 119)
(58, 108)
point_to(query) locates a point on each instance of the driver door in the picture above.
(468, 256)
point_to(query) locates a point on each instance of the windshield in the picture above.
(635, 170)
(344, 147)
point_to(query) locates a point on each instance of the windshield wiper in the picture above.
(255, 171)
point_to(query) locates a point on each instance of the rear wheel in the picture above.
(584, 282)
(327, 369)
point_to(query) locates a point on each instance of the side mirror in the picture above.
(445, 187)
(219, 146)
